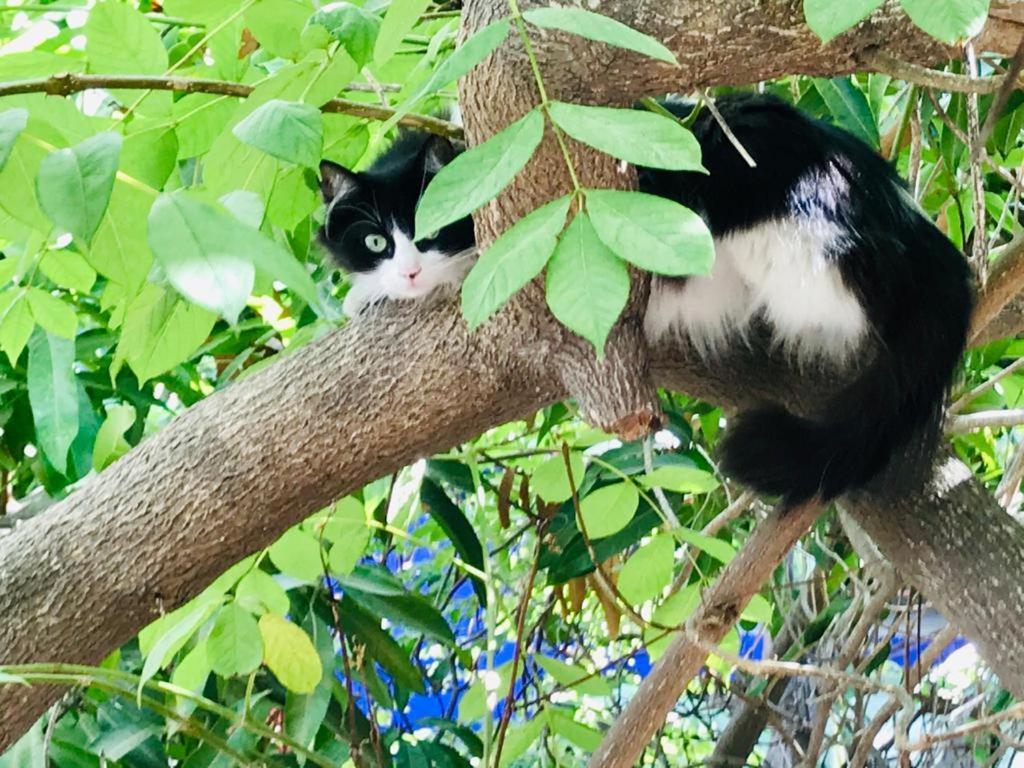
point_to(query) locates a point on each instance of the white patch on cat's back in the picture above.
(780, 270)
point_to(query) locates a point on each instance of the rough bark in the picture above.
(241, 467)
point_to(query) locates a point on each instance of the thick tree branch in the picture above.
(235, 471)
(69, 83)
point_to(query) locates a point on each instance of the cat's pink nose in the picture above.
(412, 272)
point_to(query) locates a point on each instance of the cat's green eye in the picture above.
(376, 243)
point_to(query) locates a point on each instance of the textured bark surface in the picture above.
(241, 467)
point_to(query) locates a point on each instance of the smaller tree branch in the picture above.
(866, 739)
(721, 607)
(1011, 80)
(69, 83)
(1005, 282)
(969, 422)
(879, 61)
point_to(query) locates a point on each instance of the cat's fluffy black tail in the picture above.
(896, 402)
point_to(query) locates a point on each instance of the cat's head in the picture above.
(369, 223)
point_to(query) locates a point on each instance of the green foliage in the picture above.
(829, 19)
(289, 131)
(587, 286)
(74, 185)
(478, 175)
(594, 26)
(947, 20)
(512, 261)
(666, 143)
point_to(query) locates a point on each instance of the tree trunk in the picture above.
(239, 468)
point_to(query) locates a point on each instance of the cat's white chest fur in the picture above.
(779, 270)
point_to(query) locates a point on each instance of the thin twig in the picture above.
(524, 603)
(969, 422)
(866, 739)
(930, 78)
(1005, 283)
(965, 399)
(709, 102)
(979, 248)
(1010, 83)
(69, 83)
(666, 509)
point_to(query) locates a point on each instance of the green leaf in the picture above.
(174, 637)
(718, 549)
(53, 314)
(948, 20)
(671, 613)
(373, 580)
(609, 509)
(587, 285)
(550, 481)
(380, 646)
(478, 175)
(298, 554)
(849, 107)
(119, 40)
(653, 233)
(74, 185)
(666, 143)
(304, 713)
(407, 610)
(457, 528)
(475, 49)
(278, 24)
(234, 646)
(259, 592)
(348, 534)
(758, 609)
(12, 123)
(399, 20)
(573, 677)
(829, 19)
(195, 244)
(53, 395)
(288, 130)
(648, 570)
(160, 331)
(16, 323)
(191, 673)
(289, 654)
(199, 118)
(518, 738)
(679, 479)
(594, 26)
(351, 26)
(583, 736)
(110, 444)
(514, 259)
(68, 270)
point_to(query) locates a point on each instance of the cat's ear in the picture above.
(336, 180)
(437, 153)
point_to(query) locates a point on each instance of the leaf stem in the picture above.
(517, 19)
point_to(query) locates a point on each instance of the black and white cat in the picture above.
(819, 245)
(368, 225)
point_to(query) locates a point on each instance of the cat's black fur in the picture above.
(910, 281)
(913, 284)
(386, 193)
